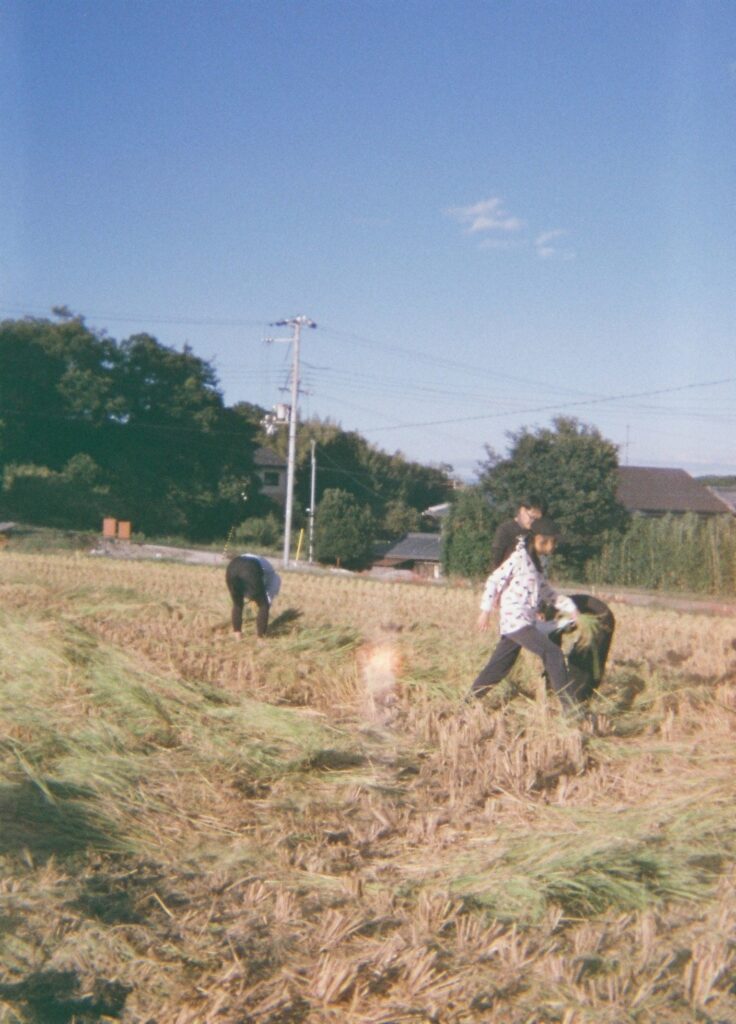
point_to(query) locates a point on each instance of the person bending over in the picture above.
(517, 587)
(507, 535)
(252, 577)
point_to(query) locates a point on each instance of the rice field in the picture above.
(317, 828)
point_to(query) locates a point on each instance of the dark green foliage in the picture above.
(376, 479)
(73, 497)
(343, 530)
(166, 453)
(690, 553)
(400, 518)
(574, 469)
(260, 531)
(466, 546)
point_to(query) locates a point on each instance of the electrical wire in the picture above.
(560, 405)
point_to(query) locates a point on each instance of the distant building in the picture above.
(725, 494)
(271, 470)
(419, 552)
(437, 513)
(651, 491)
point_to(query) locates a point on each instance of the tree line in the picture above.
(574, 469)
(91, 426)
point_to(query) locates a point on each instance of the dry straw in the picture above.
(202, 832)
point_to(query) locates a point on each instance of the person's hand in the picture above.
(237, 635)
(483, 621)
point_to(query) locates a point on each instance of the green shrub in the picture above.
(689, 553)
(260, 531)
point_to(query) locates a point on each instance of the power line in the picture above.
(183, 321)
(427, 357)
(557, 405)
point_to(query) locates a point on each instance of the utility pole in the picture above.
(296, 323)
(312, 499)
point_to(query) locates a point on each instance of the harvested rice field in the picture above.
(316, 828)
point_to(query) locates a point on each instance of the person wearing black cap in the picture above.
(518, 587)
(507, 534)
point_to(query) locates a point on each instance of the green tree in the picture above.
(170, 456)
(466, 539)
(70, 498)
(346, 461)
(399, 518)
(343, 530)
(57, 388)
(574, 468)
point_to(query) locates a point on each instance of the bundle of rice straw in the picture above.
(588, 628)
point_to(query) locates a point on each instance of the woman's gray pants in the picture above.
(507, 651)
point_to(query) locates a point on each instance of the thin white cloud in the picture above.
(496, 228)
(488, 215)
(548, 247)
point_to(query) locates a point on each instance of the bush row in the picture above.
(686, 553)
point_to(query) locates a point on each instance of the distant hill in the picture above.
(717, 481)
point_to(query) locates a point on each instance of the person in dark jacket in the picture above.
(252, 577)
(586, 661)
(506, 536)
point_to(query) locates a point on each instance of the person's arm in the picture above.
(273, 585)
(271, 579)
(561, 602)
(494, 585)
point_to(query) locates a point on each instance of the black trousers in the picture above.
(244, 578)
(507, 651)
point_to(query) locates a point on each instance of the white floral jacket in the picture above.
(519, 587)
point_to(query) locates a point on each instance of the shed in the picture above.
(419, 552)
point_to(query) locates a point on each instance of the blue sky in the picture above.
(496, 212)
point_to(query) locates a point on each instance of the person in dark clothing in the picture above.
(586, 661)
(252, 577)
(508, 533)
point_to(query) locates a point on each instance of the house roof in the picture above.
(651, 489)
(437, 511)
(268, 457)
(727, 494)
(415, 547)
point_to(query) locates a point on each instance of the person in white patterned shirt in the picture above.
(517, 588)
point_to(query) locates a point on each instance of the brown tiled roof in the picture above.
(268, 457)
(650, 489)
